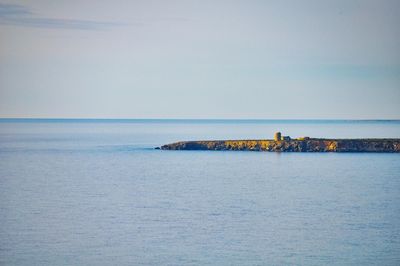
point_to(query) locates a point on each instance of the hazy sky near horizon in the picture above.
(200, 59)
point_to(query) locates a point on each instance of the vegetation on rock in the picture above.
(295, 145)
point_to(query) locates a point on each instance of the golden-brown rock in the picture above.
(295, 145)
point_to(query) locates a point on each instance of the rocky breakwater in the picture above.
(293, 145)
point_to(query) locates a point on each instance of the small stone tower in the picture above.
(277, 136)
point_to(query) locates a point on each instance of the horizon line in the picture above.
(203, 119)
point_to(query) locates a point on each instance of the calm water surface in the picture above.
(97, 193)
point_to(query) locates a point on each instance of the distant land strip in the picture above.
(292, 145)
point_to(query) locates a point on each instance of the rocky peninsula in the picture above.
(286, 144)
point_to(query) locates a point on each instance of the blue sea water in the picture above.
(95, 192)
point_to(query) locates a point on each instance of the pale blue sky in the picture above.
(200, 59)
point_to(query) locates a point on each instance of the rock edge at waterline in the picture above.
(292, 145)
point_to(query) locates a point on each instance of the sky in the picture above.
(299, 59)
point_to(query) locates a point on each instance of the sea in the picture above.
(96, 192)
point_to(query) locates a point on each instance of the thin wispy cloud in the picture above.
(19, 15)
(12, 9)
